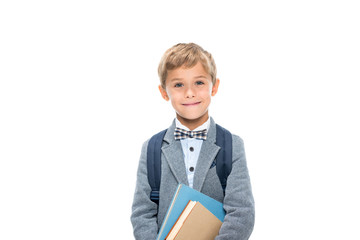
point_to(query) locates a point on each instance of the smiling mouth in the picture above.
(191, 104)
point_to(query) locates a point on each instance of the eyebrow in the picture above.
(200, 76)
(175, 79)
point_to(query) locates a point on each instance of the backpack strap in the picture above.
(154, 164)
(224, 156)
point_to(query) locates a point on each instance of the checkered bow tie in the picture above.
(183, 134)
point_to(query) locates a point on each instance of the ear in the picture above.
(163, 93)
(215, 87)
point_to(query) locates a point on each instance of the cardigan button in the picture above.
(191, 149)
(191, 169)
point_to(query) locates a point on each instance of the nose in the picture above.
(189, 92)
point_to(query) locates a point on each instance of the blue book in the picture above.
(181, 198)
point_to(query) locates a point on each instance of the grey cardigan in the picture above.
(238, 201)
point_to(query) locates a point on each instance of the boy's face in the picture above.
(190, 91)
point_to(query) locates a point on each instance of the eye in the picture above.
(177, 85)
(199, 83)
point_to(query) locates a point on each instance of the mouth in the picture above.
(191, 104)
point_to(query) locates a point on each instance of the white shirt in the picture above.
(191, 149)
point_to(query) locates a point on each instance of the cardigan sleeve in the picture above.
(144, 211)
(238, 200)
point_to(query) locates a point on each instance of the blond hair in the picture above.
(186, 55)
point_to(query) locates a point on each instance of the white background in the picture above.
(78, 97)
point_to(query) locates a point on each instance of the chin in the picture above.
(192, 118)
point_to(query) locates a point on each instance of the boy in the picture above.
(188, 80)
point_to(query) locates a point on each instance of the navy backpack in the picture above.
(223, 160)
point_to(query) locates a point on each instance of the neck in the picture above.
(193, 123)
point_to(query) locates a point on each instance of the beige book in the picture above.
(195, 222)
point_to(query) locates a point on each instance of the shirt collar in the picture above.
(206, 125)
